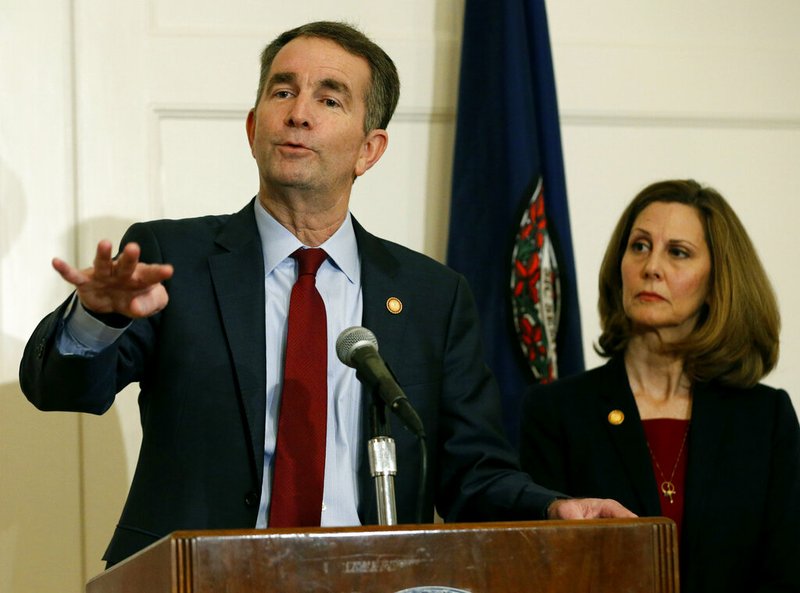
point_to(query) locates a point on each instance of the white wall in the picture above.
(115, 111)
(40, 505)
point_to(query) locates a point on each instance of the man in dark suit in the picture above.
(209, 364)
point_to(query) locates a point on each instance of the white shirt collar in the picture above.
(277, 243)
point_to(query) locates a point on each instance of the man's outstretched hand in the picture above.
(123, 285)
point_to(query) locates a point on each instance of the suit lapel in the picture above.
(710, 416)
(628, 438)
(379, 270)
(237, 273)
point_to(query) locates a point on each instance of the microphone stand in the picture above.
(382, 462)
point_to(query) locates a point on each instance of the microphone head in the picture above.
(353, 339)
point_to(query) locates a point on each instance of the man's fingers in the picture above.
(149, 302)
(68, 273)
(613, 509)
(588, 508)
(123, 266)
(150, 274)
(128, 260)
(103, 263)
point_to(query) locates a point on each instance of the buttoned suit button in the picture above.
(251, 499)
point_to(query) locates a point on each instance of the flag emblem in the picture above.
(535, 290)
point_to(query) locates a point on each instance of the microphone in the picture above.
(357, 347)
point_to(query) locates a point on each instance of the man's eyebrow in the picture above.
(281, 78)
(336, 86)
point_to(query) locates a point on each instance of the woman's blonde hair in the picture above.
(736, 339)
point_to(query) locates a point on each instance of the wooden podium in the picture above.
(619, 556)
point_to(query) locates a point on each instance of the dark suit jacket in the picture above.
(200, 366)
(741, 526)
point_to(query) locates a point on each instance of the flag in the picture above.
(509, 223)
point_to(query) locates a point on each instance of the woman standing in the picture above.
(676, 423)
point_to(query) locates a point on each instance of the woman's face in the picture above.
(665, 270)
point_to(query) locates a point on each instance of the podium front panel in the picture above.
(619, 556)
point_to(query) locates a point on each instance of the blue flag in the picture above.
(509, 222)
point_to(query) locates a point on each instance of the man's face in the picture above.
(307, 131)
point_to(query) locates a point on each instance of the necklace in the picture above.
(668, 486)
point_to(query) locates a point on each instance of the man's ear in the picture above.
(372, 149)
(250, 125)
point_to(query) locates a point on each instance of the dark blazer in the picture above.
(741, 526)
(200, 367)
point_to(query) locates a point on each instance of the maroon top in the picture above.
(669, 449)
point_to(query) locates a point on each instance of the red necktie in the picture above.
(300, 448)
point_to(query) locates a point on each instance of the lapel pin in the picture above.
(616, 417)
(394, 305)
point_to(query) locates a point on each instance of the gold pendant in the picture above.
(668, 490)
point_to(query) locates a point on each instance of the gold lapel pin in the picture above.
(394, 305)
(616, 417)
